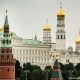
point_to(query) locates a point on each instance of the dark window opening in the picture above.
(2, 56)
(7, 56)
(7, 50)
(8, 69)
(61, 36)
(13, 69)
(2, 50)
(58, 36)
(64, 36)
(3, 41)
(7, 41)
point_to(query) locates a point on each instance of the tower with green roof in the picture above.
(7, 62)
(56, 74)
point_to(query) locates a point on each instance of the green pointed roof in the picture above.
(56, 64)
(35, 38)
(6, 20)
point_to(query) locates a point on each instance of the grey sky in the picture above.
(27, 17)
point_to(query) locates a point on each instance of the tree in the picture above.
(77, 69)
(69, 66)
(62, 67)
(64, 72)
(18, 69)
(48, 71)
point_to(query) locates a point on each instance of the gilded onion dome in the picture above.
(46, 26)
(60, 11)
(78, 39)
(2, 29)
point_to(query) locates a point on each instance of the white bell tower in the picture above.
(60, 33)
(47, 33)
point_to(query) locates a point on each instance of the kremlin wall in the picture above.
(44, 53)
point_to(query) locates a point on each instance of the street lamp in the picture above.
(46, 70)
(70, 77)
(26, 73)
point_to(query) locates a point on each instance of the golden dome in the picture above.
(46, 27)
(1, 29)
(78, 39)
(60, 12)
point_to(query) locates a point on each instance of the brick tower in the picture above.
(7, 62)
(56, 74)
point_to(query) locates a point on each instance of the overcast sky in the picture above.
(27, 17)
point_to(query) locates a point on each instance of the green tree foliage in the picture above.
(18, 69)
(34, 72)
(48, 72)
(77, 70)
(69, 66)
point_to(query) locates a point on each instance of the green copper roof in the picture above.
(6, 20)
(56, 63)
(11, 33)
(32, 42)
(1, 34)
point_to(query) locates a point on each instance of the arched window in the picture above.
(3, 50)
(8, 69)
(7, 41)
(7, 50)
(64, 36)
(3, 41)
(58, 36)
(2, 56)
(13, 69)
(7, 56)
(61, 36)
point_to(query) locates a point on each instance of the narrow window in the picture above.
(58, 36)
(8, 69)
(61, 36)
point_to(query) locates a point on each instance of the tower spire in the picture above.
(60, 2)
(6, 24)
(60, 11)
(79, 32)
(6, 20)
(47, 21)
(35, 38)
(6, 12)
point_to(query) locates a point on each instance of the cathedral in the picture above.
(42, 53)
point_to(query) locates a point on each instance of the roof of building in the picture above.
(32, 42)
(13, 34)
(60, 12)
(46, 26)
(6, 20)
(78, 39)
